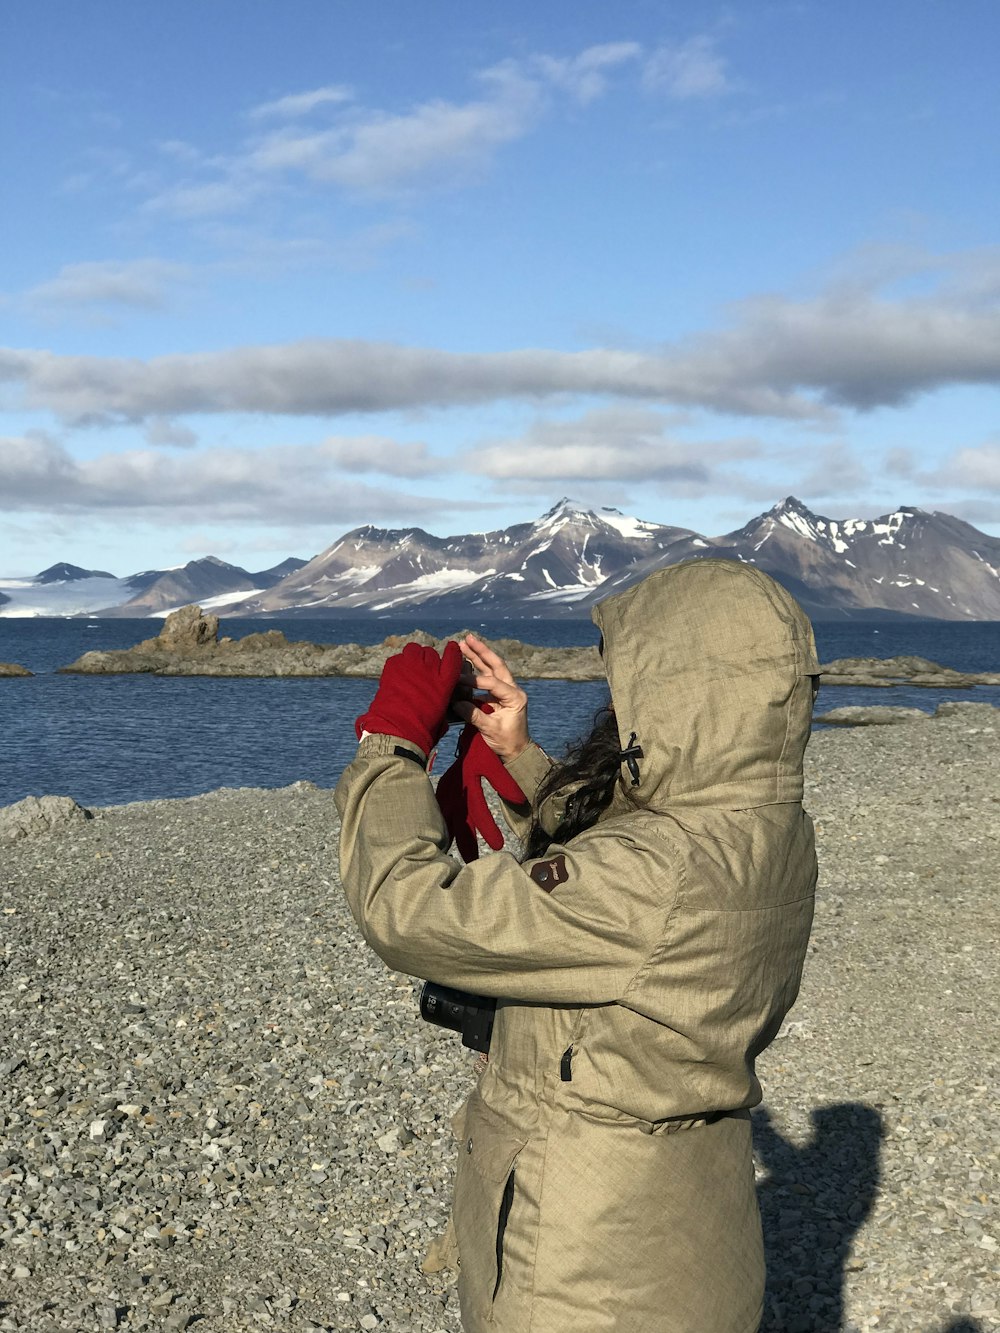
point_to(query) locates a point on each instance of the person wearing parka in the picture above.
(605, 1178)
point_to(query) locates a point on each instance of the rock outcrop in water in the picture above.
(188, 645)
(12, 669)
(884, 672)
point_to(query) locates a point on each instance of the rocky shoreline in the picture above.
(219, 1111)
(189, 645)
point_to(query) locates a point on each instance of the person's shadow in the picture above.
(813, 1201)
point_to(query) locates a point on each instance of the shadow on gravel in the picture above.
(814, 1200)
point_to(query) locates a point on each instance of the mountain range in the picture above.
(906, 563)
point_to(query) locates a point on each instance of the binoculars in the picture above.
(471, 1015)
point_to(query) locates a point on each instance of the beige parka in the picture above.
(605, 1179)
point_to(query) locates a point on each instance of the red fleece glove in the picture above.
(460, 793)
(413, 694)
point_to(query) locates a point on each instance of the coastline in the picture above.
(218, 1106)
(189, 645)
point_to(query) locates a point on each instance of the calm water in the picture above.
(112, 739)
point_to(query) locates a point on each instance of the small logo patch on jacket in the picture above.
(548, 874)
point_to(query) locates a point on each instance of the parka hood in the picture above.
(710, 665)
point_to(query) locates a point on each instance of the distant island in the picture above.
(189, 645)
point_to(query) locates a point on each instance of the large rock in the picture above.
(968, 709)
(12, 669)
(186, 630)
(188, 645)
(878, 715)
(877, 672)
(38, 814)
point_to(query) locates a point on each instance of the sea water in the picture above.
(106, 740)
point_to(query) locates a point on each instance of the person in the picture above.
(642, 955)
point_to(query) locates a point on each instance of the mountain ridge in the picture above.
(909, 562)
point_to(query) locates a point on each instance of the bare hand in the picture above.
(505, 729)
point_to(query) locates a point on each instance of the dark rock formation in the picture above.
(185, 631)
(66, 573)
(188, 645)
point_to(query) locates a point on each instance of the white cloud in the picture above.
(974, 469)
(618, 444)
(163, 431)
(374, 453)
(834, 469)
(139, 283)
(799, 360)
(300, 104)
(976, 512)
(230, 194)
(436, 142)
(901, 463)
(287, 484)
(585, 76)
(686, 70)
(330, 377)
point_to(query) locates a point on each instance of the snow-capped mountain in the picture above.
(64, 573)
(908, 562)
(557, 560)
(68, 590)
(212, 583)
(61, 590)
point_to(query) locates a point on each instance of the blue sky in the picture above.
(273, 271)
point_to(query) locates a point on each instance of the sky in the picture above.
(273, 271)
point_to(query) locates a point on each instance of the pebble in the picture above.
(218, 1109)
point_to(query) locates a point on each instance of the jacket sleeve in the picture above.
(573, 927)
(527, 770)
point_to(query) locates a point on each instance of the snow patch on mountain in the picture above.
(438, 581)
(634, 528)
(798, 524)
(227, 600)
(70, 598)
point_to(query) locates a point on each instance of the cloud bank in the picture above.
(607, 445)
(784, 359)
(297, 484)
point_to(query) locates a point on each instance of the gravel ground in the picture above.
(219, 1111)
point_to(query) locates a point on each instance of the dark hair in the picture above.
(590, 771)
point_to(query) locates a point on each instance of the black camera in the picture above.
(472, 1015)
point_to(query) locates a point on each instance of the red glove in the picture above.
(460, 793)
(413, 694)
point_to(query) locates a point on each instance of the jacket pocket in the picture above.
(484, 1196)
(506, 1201)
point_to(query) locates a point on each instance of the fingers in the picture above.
(492, 673)
(451, 656)
(484, 659)
(469, 711)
